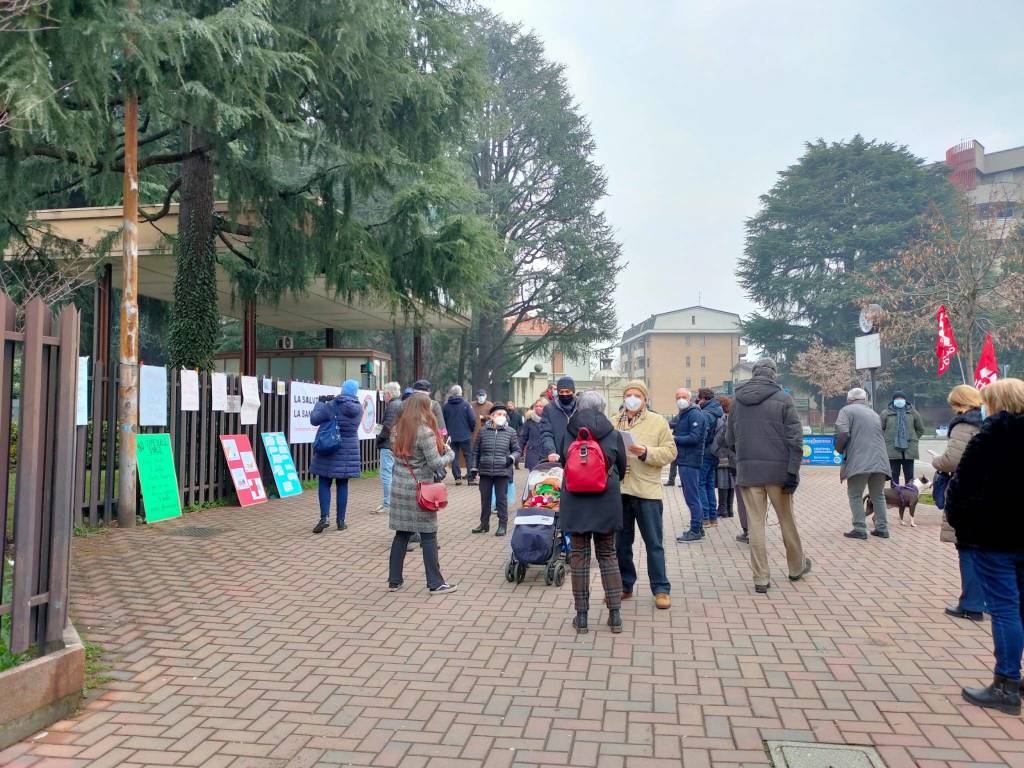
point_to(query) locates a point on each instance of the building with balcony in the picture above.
(692, 347)
(993, 181)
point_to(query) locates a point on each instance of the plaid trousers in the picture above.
(607, 561)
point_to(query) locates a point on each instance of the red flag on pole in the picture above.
(987, 370)
(945, 345)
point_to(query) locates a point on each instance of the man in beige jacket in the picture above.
(650, 446)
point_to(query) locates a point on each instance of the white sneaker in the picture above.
(379, 509)
(444, 589)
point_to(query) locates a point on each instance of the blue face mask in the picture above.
(899, 402)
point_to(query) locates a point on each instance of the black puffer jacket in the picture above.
(982, 503)
(594, 512)
(765, 433)
(495, 450)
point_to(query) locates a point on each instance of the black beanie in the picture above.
(566, 382)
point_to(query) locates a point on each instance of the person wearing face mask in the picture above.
(556, 417)
(494, 456)
(529, 435)
(689, 436)
(903, 429)
(482, 409)
(650, 448)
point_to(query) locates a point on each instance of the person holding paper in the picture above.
(339, 466)
(649, 447)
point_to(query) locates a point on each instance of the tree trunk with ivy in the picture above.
(194, 324)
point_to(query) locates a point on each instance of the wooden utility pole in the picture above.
(128, 389)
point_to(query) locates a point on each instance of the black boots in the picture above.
(502, 530)
(480, 529)
(615, 620)
(1003, 695)
(725, 497)
(580, 623)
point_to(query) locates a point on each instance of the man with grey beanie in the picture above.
(860, 439)
(765, 433)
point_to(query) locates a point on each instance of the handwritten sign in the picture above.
(189, 390)
(245, 474)
(250, 400)
(156, 474)
(281, 464)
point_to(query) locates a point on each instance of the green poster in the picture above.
(156, 473)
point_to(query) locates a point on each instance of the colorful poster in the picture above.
(250, 400)
(304, 398)
(245, 474)
(820, 451)
(82, 393)
(281, 464)
(157, 477)
(189, 390)
(152, 396)
(218, 392)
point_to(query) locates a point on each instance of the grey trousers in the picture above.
(875, 483)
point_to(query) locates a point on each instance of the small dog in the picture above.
(902, 497)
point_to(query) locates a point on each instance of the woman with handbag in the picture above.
(415, 496)
(966, 402)
(336, 449)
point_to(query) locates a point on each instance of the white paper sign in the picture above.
(152, 396)
(218, 392)
(268, 386)
(304, 398)
(189, 390)
(234, 404)
(250, 400)
(82, 393)
(282, 388)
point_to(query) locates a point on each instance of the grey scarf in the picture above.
(902, 435)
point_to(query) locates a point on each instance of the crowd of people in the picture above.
(747, 449)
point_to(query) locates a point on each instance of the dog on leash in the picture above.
(902, 497)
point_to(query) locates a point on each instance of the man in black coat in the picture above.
(766, 435)
(461, 422)
(515, 420)
(556, 417)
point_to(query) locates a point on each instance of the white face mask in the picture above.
(633, 403)
(481, 399)
(683, 403)
(900, 402)
(500, 421)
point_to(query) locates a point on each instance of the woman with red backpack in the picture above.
(594, 458)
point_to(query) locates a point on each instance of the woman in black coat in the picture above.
(983, 506)
(596, 516)
(530, 437)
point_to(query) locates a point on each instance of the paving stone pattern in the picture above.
(266, 646)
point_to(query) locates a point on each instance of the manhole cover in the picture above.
(797, 754)
(193, 532)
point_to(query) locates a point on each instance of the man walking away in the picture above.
(555, 420)
(515, 420)
(765, 433)
(650, 448)
(713, 413)
(461, 422)
(691, 429)
(860, 439)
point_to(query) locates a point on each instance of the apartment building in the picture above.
(993, 181)
(692, 347)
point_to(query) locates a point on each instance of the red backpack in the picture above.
(586, 470)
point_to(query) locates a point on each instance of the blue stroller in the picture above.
(537, 538)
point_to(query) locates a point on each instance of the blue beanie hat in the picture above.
(350, 388)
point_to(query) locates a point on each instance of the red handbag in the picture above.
(430, 496)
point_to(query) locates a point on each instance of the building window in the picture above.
(693, 319)
(687, 361)
(703, 382)
(703, 341)
(688, 339)
(703, 362)
(689, 382)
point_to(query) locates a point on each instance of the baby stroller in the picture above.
(537, 538)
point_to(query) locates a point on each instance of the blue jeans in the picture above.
(387, 472)
(690, 477)
(972, 596)
(645, 513)
(708, 497)
(324, 493)
(1002, 576)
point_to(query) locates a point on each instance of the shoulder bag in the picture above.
(429, 496)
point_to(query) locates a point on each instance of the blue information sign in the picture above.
(281, 464)
(820, 451)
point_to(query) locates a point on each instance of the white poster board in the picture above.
(303, 399)
(152, 396)
(82, 393)
(189, 390)
(868, 352)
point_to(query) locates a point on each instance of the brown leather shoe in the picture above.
(662, 601)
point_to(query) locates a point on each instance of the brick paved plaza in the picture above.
(267, 646)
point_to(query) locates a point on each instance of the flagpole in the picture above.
(963, 374)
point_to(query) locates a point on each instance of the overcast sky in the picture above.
(696, 106)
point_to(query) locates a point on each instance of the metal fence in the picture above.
(39, 541)
(195, 440)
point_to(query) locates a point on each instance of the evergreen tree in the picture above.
(842, 208)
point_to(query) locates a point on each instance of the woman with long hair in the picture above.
(419, 452)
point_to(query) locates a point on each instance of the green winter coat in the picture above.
(915, 431)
